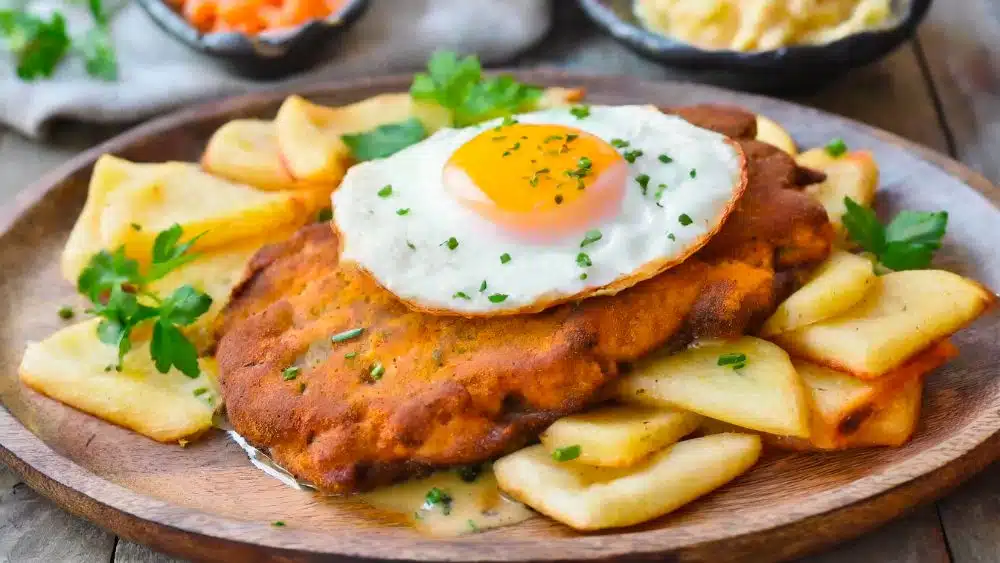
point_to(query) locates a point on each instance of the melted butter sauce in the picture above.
(474, 506)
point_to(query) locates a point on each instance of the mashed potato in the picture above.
(761, 25)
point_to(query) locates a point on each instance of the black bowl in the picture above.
(800, 67)
(270, 55)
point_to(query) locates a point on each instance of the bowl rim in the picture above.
(268, 44)
(666, 48)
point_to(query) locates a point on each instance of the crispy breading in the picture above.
(416, 391)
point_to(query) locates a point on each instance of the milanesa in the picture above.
(413, 391)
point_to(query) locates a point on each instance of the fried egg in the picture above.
(517, 215)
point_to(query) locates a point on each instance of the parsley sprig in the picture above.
(40, 44)
(908, 242)
(120, 295)
(457, 84)
(385, 140)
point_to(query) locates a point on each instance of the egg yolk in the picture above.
(538, 181)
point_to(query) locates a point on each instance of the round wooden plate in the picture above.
(208, 502)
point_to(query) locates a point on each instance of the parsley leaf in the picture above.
(908, 242)
(385, 140)
(105, 271)
(168, 255)
(98, 53)
(184, 306)
(38, 45)
(171, 348)
(457, 84)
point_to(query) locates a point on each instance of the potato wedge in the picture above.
(70, 366)
(246, 151)
(842, 404)
(182, 193)
(766, 395)
(593, 498)
(853, 175)
(835, 286)
(768, 131)
(216, 273)
(895, 424)
(902, 314)
(619, 436)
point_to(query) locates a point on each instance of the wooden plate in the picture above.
(207, 502)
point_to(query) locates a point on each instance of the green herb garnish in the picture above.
(135, 227)
(278, 524)
(630, 156)
(290, 373)
(908, 242)
(347, 335)
(659, 191)
(671, 236)
(324, 215)
(665, 159)
(121, 298)
(568, 453)
(451, 243)
(386, 191)
(580, 112)
(469, 473)
(504, 258)
(583, 276)
(497, 298)
(684, 219)
(66, 312)
(403, 211)
(351, 355)
(461, 295)
(693, 173)
(590, 237)
(736, 360)
(643, 181)
(619, 143)
(836, 148)
(411, 245)
(377, 371)
(457, 84)
(583, 260)
(435, 497)
(558, 199)
(472, 526)
(200, 391)
(482, 286)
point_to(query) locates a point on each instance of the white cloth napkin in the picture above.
(156, 72)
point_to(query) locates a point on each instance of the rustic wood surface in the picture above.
(942, 91)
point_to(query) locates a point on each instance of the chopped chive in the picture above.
(497, 298)
(693, 173)
(324, 215)
(570, 137)
(469, 473)
(386, 191)
(566, 454)
(347, 335)
(436, 496)
(583, 276)
(685, 219)
(461, 295)
(619, 143)
(351, 355)
(584, 163)
(580, 112)
(411, 245)
(643, 181)
(590, 237)
(665, 159)
(290, 373)
(278, 524)
(504, 258)
(559, 199)
(200, 391)
(551, 138)
(377, 371)
(583, 260)
(630, 156)
(402, 211)
(836, 148)
(671, 236)
(451, 243)
(66, 312)
(482, 286)
(659, 191)
(732, 358)
(506, 153)
(135, 227)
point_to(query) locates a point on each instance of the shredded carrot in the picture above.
(253, 16)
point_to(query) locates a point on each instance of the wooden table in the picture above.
(941, 90)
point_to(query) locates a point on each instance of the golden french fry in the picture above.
(72, 366)
(619, 436)
(594, 498)
(835, 286)
(766, 394)
(902, 314)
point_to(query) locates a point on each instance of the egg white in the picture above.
(408, 255)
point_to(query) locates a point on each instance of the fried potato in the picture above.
(766, 395)
(853, 175)
(895, 424)
(842, 405)
(216, 273)
(619, 436)
(594, 498)
(835, 286)
(71, 366)
(246, 151)
(135, 212)
(902, 314)
(775, 135)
